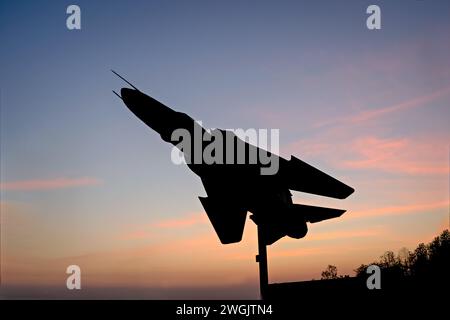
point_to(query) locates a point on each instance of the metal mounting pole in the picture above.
(261, 258)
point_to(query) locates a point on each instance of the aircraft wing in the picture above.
(300, 176)
(228, 220)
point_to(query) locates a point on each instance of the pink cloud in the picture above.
(346, 234)
(399, 209)
(418, 155)
(400, 155)
(367, 115)
(50, 184)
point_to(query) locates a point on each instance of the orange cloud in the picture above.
(368, 115)
(58, 183)
(148, 231)
(313, 238)
(345, 234)
(399, 210)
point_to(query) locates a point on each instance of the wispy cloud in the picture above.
(346, 234)
(399, 209)
(367, 115)
(399, 155)
(50, 184)
(419, 155)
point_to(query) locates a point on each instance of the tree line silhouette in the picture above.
(427, 264)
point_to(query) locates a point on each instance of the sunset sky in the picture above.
(84, 182)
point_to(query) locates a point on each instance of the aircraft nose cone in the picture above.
(128, 95)
(132, 99)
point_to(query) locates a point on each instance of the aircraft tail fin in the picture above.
(314, 214)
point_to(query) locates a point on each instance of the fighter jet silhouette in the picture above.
(235, 189)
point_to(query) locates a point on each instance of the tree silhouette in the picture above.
(427, 262)
(421, 273)
(329, 273)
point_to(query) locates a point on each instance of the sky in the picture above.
(83, 181)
